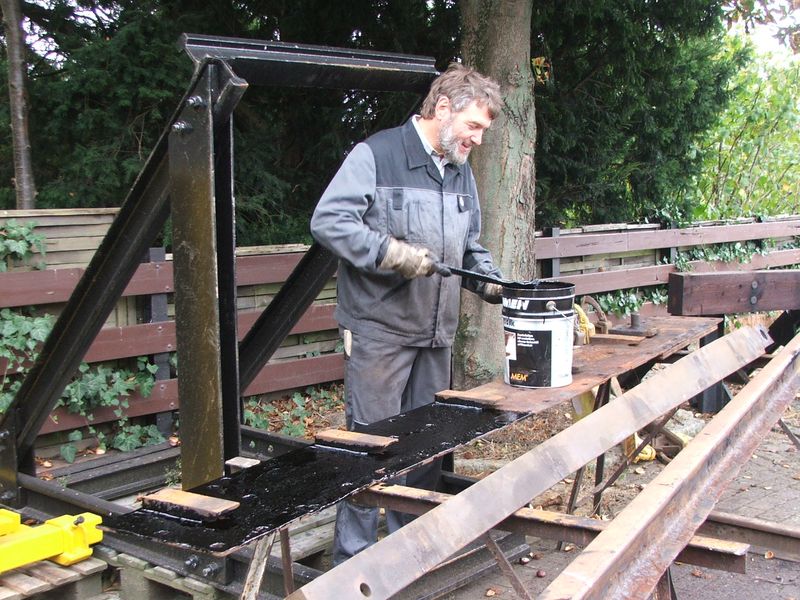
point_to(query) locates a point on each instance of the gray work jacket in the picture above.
(388, 186)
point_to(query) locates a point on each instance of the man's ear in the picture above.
(442, 109)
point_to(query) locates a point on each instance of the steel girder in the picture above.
(628, 559)
(399, 559)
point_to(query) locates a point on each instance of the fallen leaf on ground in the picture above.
(490, 592)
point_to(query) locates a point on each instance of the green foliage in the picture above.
(751, 158)
(70, 450)
(631, 88)
(728, 252)
(19, 243)
(257, 413)
(114, 75)
(21, 335)
(626, 302)
(173, 475)
(294, 414)
(131, 437)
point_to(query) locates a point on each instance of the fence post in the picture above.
(155, 311)
(551, 268)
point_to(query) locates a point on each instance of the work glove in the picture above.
(492, 293)
(410, 261)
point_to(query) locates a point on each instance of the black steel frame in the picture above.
(189, 175)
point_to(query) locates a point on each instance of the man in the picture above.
(403, 200)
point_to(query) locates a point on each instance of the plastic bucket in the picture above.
(538, 322)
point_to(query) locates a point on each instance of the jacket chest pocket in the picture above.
(464, 206)
(397, 214)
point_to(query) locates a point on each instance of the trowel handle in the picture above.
(443, 270)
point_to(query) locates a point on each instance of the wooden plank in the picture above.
(114, 343)
(591, 364)
(51, 573)
(7, 594)
(733, 292)
(352, 440)
(603, 243)
(591, 283)
(24, 584)
(89, 566)
(205, 506)
(397, 560)
(56, 285)
(92, 230)
(616, 338)
(309, 542)
(152, 338)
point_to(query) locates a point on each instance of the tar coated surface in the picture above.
(287, 487)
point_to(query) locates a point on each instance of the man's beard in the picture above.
(451, 145)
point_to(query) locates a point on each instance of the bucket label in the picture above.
(538, 352)
(529, 355)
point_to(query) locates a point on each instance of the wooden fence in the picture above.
(597, 259)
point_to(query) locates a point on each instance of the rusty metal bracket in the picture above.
(602, 322)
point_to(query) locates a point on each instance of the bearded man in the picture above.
(404, 200)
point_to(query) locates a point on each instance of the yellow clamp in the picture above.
(585, 326)
(64, 540)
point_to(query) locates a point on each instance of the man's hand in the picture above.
(493, 293)
(410, 261)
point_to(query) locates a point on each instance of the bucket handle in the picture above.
(551, 306)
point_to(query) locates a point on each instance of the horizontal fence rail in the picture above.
(596, 259)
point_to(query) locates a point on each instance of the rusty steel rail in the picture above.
(702, 550)
(628, 559)
(393, 563)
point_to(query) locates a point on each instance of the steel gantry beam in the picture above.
(137, 224)
(192, 166)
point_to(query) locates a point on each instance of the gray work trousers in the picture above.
(383, 380)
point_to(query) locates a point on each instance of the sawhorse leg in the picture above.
(258, 565)
(602, 397)
(506, 567)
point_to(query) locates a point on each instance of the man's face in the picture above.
(462, 130)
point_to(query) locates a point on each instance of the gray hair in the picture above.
(463, 85)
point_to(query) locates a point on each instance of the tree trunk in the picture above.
(496, 41)
(15, 47)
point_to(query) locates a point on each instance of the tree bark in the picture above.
(496, 40)
(15, 47)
